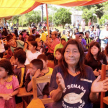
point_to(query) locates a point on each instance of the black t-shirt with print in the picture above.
(77, 90)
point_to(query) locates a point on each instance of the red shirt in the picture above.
(54, 43)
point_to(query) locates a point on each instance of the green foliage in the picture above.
(27, 19)
(49, 17)
(88, 14)
(103, 19)
(62, 16)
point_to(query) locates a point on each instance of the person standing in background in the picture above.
(83, 25)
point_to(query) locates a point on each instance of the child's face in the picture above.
(31, 47)
(58, 55)
(11, 42)
(39, 43)
(32, 69)
(3, 72)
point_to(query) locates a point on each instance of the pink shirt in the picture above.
(8, 87)
(54, 43)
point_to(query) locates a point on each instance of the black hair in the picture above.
(44, 27)
(16, 32)
(81, 33)
(92, 26)
(6, 46)
(43, 57)
(33, 31)
(7, 66)
(34, 43)
(20, 55)
(27, 33)
(19, 48)
(9, 37)
(31, 38)
(37, 63)
(97, 26)
(87, 31)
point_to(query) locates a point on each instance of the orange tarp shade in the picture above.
(16, 7)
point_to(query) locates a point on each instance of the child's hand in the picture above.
(37, 73)
(7, 96)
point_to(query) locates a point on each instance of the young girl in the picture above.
(32, 53)
(39, 45)
(8, 85)
(58, 56)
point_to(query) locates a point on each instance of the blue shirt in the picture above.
(77, 90)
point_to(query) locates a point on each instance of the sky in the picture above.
(49, 10)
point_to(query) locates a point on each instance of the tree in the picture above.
(88, 14)
(49, 17)
(62, 16)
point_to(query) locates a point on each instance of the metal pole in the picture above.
(42, 13)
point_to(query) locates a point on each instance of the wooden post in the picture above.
(103, 75)
(47, 21)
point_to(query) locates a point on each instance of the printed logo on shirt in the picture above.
(74, 98)
(9, 86)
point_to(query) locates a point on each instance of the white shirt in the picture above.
(30, 56)
(103, 34)
(83, 24)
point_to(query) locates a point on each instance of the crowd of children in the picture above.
(26, 54)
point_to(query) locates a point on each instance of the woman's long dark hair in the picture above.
(89, 55)
(80, 65)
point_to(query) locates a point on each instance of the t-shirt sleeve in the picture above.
(21, 42)
(53, 84)
(90, 75)
(15, 83)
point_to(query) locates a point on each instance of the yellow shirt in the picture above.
(50, 71)
(44, 35)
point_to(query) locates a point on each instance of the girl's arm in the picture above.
(15, 92)
(25, 46)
